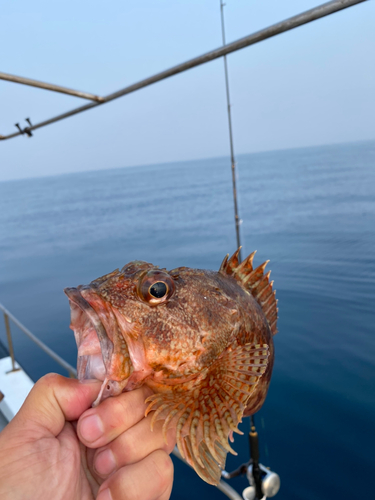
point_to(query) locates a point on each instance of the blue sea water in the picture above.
(310, 211)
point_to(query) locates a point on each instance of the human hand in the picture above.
(116, 456)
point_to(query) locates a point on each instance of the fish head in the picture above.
(142, 324)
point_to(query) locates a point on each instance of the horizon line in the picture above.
(170, 162)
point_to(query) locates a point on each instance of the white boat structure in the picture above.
(15, 383)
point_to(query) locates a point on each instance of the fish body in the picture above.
(201, 340)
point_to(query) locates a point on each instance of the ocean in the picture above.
(311, 211)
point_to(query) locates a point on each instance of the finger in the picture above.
(149, 479)
(99, 426)
(132, 446)
(53, 400)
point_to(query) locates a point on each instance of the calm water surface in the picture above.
(310, 211)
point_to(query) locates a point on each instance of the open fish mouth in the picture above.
(95, 348)
(103, 352)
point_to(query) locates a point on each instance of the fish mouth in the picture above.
(95, 348)
(96, 327)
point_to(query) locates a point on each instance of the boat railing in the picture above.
(8, 316)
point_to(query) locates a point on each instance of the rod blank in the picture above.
(281, 27)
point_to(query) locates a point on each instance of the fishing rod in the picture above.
(263, 482)
(288, 24)
(237, 219)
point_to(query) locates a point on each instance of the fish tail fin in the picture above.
(256, 282)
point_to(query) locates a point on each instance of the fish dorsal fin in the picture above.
(206, 411)
(256, 282)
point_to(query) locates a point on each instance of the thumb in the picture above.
(51, 402)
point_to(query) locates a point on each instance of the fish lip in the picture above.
(74, 295)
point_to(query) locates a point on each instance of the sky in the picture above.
(310, 86)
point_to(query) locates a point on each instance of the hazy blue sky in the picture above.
(313, 85)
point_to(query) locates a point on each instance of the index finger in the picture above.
(101, 425)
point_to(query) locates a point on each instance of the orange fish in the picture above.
(201, 340)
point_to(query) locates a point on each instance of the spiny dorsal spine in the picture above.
(256, 282)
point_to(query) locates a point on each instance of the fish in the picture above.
(202, 340)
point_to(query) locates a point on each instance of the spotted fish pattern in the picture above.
(201, 340)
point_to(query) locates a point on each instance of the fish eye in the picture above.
(155, 287)
(158, 290)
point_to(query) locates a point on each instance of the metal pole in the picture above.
(49, 86)
(237, 220)
(291, 23)
(69, 368)
(10, 342)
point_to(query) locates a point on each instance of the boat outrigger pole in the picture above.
(291, 23)
(50, 86)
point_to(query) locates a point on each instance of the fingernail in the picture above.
(105, 463)
(91, 428)
(89, 381)
(104, 495)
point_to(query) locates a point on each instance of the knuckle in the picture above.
(115, 414)
(121, 410)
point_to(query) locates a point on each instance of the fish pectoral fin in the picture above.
(206, 414)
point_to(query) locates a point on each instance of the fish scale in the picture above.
(201, 340)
